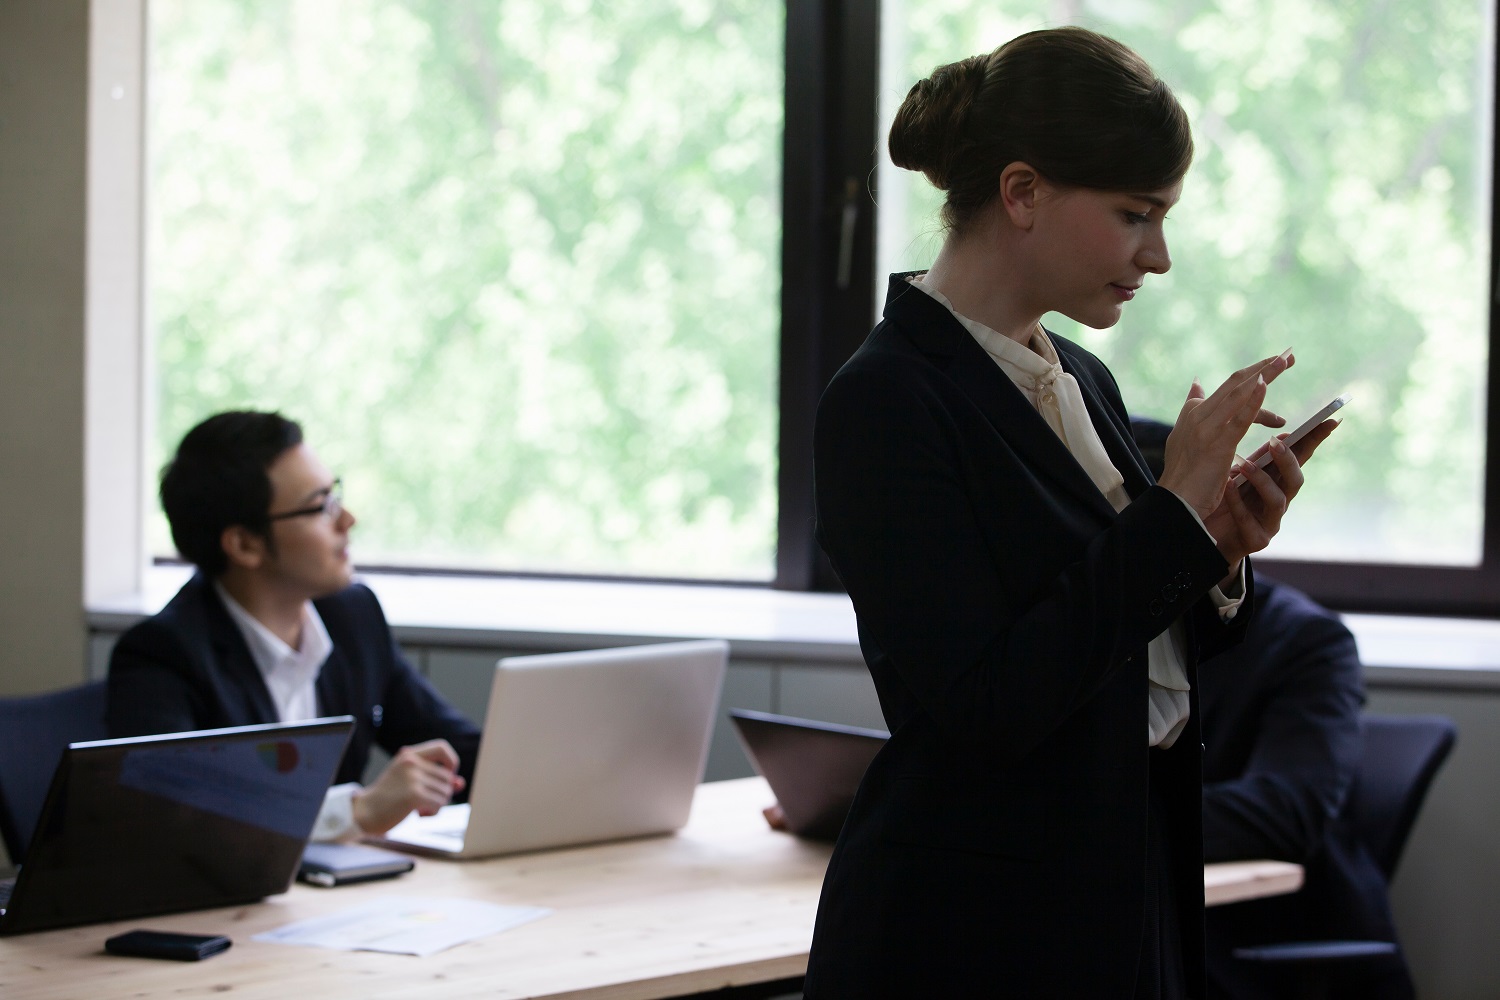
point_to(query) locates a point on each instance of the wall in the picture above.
(1446, 894)
(43, 146)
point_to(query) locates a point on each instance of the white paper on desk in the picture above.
(405, 925)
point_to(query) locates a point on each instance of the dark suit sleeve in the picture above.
(997, 636)
(1306, 748)
(412, 709)
(1214, 633)
(151, 688)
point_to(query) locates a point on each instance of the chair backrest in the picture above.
(1402, 754)
(34, 731)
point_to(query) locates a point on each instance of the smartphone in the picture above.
(167, 944)
(1264, 459)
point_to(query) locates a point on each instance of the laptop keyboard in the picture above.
(446, 826)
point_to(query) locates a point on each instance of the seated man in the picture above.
(272, 629)
(1280, 720)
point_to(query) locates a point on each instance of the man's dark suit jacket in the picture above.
(997, 845)
(1281, 723)
(188, 667)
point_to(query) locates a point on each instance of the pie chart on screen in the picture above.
(280, 755)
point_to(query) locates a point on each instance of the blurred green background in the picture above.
(515, 263)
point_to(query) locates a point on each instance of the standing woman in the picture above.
(1030, 605)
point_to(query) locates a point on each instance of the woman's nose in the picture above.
(1154, 257)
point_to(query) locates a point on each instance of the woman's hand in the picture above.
(1200, 448)
(1249, 516)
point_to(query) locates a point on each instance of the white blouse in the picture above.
(1054, 393)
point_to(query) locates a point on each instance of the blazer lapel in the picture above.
(333, 684)
(936, 333)
(236, 665)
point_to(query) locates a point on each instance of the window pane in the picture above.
(1338, 204)
(514, 265)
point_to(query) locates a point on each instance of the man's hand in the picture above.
(421, 777)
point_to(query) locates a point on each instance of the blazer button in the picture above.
(1155, 607)
(1183, 580)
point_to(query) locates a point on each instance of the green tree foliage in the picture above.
(513, 263)
(1338, 204)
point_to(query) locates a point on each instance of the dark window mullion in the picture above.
(828, 244)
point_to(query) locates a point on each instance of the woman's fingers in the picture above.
(1249, 534)
(1254, 513)
(1304, 449)
(1225, 402)
(1268, 418)
(1193, 400)
(1287, 480)
(1201, 447)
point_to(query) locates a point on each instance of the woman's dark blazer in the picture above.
(997, 845)
(188, 667)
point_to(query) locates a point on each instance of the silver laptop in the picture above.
(583, 747)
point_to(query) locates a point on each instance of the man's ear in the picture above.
(243, 547)
(1020, 188)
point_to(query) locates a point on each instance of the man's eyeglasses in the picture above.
(331, 507)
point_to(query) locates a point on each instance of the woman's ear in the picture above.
(243, 547)
(1020, 186)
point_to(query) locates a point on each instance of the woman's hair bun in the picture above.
(1077, 107)
(928, 131)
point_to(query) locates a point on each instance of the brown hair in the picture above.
(1081, 108)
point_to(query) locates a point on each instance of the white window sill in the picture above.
(501, 612)
(762, 624)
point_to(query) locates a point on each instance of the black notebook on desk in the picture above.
(343, 864)
(185, 821)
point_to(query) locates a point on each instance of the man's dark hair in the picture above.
(218, 479)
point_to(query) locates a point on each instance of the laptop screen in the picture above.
(167, 823)
(814, 768)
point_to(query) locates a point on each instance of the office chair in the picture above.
(1402, 755)
(37, 729)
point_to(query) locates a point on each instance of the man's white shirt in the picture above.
(291, 677)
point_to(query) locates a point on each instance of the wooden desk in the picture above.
(725, 902)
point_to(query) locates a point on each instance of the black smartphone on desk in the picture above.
(167, 944)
